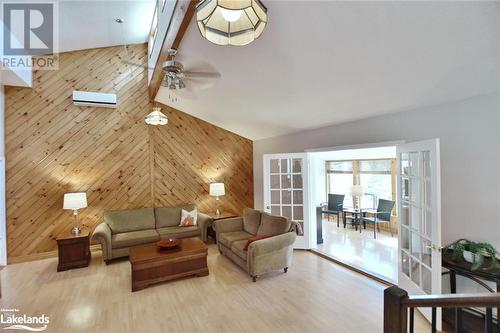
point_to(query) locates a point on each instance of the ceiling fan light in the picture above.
(235, 22)
(156, 117)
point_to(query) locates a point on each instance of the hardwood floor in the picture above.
(314, 296)
(375, 256)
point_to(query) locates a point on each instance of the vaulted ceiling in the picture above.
(87, 24)
(325, 62)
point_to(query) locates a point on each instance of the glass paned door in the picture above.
(285, 189)
(420, 219)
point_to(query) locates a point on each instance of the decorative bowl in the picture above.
(169, 243)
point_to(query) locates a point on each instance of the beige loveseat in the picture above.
(264, 255)
(122, 229)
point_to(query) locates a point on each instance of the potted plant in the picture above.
(473, 252)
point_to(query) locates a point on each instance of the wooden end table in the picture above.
(224, 215)
(151, 265)
(73, 250)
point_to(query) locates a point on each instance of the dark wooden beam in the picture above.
(181, 17)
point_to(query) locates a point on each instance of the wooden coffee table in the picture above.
(151, 264)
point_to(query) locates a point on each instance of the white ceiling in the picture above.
(85, 24)
(325, 62)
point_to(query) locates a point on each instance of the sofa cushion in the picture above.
(132, 238)
(120, 221)
(170, 216)
(238, 248)
(228, 238)
(251, 220)
(179, 232)
(273, 225)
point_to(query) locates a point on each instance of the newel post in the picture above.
(395, 313)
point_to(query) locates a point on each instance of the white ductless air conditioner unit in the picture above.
(98, 99)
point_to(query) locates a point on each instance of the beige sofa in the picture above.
(264, 255)
(122, 229)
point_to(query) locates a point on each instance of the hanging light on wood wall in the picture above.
(156, 117)
(231, 22)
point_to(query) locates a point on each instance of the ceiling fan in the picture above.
(176, 76)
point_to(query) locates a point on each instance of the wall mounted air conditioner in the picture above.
(94, 99)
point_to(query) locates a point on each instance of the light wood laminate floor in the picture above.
(376, 256)
(314, 296)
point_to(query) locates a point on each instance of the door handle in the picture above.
(434, 247)
(268, 207)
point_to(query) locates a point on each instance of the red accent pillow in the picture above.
(255, 238)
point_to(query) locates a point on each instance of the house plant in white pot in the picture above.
(473, 252)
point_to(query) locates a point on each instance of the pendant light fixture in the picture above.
(156, 117)
(231, 22)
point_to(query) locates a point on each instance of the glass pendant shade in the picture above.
(231, 22)
(156, 117)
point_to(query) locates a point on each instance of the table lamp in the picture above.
(357, 191)
(75, 201)
(217, 190)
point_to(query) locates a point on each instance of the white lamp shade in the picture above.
(357, 190)
(75, 200)
(217, 189)
(156, 117)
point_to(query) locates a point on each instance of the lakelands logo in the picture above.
(16, 321)
(30, 35)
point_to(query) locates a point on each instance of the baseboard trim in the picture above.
(352, 268)
(43, 255)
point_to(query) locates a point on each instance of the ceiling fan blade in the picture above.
(207, 75)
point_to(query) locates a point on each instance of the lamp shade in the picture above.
(217, 189)
(75, 200)
(156, 117)
(357, 190)
(231, 22)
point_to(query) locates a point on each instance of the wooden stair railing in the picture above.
(397, 303)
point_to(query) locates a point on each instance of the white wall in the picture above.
(20, 76)
(470, 157)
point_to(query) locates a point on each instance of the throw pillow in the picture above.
(255, 238)
(188, 219)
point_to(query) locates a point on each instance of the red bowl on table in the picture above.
(168, 243)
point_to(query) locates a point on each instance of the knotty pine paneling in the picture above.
(54, 147)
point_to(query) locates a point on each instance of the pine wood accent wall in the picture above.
(54, 147)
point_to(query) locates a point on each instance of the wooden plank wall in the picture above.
(54, 147)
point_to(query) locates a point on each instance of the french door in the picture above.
(419, 194)
(285, 190)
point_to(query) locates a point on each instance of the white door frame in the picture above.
(357, 146)
(404, 282)
(305, 241)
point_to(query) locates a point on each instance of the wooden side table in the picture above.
(224, 215)
(73, 250)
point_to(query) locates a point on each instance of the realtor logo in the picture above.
(29, 34)
(29, 28)
(11, 319)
